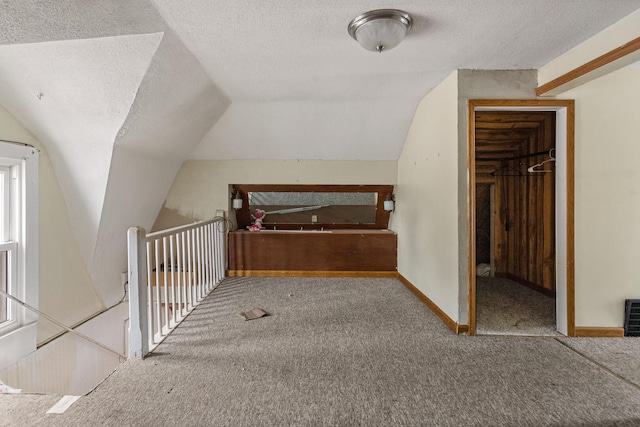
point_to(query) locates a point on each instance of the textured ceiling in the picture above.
(299, 86)
(300, 50)
(302, 88)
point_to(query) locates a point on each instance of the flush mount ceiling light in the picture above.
(382, 29)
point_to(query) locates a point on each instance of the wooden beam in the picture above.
(486, 140)
(515, 126)
(511, 145)
(590, 66)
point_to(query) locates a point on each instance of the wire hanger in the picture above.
(532, 169)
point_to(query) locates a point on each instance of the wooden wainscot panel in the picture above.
(353, 250)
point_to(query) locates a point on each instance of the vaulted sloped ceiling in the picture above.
(303, 89)
(76, 109)
(120, 93)
(327, 130)
(118, 103)
(175, 106)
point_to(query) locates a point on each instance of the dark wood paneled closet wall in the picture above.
(507, 143)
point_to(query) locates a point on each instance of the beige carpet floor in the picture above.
(345, 352)
(505, 307)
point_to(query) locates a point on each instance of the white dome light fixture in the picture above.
(380, 30)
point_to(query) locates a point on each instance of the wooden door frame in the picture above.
(510, 105)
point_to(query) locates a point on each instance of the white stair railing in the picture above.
(170, 272)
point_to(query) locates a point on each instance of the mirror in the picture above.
(312, 207)
(315, 207)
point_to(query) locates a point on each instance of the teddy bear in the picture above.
(258, 217)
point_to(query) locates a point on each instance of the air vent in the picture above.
(632, 318)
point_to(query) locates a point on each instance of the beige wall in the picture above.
(607, 196)
(202, 186)
(66, 290)
(479, 84)
(431, 215)
(426, 216)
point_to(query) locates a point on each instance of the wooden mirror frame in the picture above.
(243, 216)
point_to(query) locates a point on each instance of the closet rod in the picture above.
(500, 159)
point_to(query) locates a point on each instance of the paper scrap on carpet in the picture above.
(254, 313)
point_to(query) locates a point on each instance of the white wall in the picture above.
(71, 364)
(202, 186)
(76, 113)
(117, 115)
(66, 290)
(607, 196)
(426, 216)
(67, 365)
(174, 108)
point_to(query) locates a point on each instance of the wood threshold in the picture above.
(306, 273)
(455, 327)
(596, 331)
(590, 66)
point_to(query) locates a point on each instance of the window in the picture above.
(6, 313)
(18, 249)
(7, 251)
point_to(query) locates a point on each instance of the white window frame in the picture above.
(19, 238)
(6, 245)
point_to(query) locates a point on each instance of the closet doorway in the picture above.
(521, 282)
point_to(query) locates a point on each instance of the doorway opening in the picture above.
(515, 222)
(521, 217)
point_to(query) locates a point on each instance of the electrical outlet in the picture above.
(314, 218)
